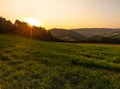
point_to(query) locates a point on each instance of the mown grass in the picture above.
(32, 64)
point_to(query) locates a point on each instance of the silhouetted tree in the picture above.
(5, 25)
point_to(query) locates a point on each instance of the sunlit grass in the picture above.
(32, 64)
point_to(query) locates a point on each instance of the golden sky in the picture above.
(64, 13)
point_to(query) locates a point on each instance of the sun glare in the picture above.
(32, 21)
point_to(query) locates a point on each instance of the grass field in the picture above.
(32, 64)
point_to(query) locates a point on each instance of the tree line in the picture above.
(24, 29)
(104, 39)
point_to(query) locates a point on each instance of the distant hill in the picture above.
(113, 38)
(94, 35)
(115, 34)
(66, 35)
(89, 32)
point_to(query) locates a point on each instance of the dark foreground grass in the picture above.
(32, 64)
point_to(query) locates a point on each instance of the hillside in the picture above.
(66, 35)
(113, 38)
(89, 32)
(115, 34)
(32, 64)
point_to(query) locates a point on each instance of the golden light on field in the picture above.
(32, 21)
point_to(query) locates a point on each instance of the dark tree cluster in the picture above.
(103, 39)
(6, 26)
(24, 29)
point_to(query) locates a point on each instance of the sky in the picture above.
(64, 13)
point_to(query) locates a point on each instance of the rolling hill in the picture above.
(66, 35)
(115, 34)
(113, 38)
(31, 64)
(89, 32)
(94, 35)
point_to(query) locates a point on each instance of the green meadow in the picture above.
(31, 64)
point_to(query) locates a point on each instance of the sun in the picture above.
(32, 21)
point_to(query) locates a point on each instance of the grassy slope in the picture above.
(32, 64)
